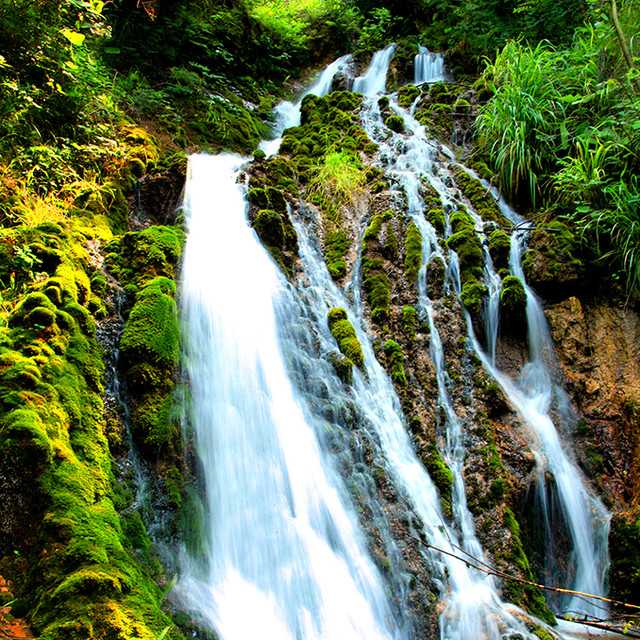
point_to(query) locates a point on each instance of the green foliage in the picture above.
(562, 126)
(338, 181)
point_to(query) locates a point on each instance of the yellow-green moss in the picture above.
(412, 253)
(345, 335)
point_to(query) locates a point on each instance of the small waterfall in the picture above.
(374, 81)
(472, 606)
(429, 67)
(287, 114)
(535, 394)
(541, 401)
(285, 557)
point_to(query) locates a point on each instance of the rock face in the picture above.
(598, 345)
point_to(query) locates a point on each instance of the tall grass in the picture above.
(563, 129)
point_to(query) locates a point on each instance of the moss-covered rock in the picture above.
(553, 264)
(395, 362)
(479, 197)
(278, 235)
(465, 242)
(441, 475)
(472, 296)
(83, 579)
(499, 248)
(436, 274)
(377, 288)
(336, 246)
(412, 253)
(513, 304)
(395, 123)
(410, 321)
(345, 335)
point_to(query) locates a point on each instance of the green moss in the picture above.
(336, 246)
(441, 476)
(513, 298)
(412, 253)
(409, 321)
(151, 333)
(278, 236)
(479, 197)
(344, 333)
(407, 95)
(553, 260)
(395, 362)
(525, 595)
(377, 288)
(343, 367)
(472, 296)
(395, 123)
(436, 217)
(436, 274)
(140, 255)
(499, 248)
(373, 231)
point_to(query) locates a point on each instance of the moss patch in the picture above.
(345, 335)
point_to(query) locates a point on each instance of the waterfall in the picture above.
(473, 608)
(428, 67)
(535, 394)
(285, 557)
(374, 80)
(287, 114)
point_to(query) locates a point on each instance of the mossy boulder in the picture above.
(395, 362)
(336, 247)
(472, 297)
(500, 248)
(553, 264)
(465, 242)
(436, 275)
(513, 305)
(395, 123)
(345, 335)
(412, 253)
(278, 235)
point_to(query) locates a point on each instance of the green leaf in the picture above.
(112, 51)
(73, 37)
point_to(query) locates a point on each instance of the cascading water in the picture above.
(429, 67)
(535, 392)
(374, 80)
(285, 558)
(473, 608)
(537, 396)
(287, 114)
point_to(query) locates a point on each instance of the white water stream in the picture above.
(286, 559)
(534, 394)
(429, 67)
